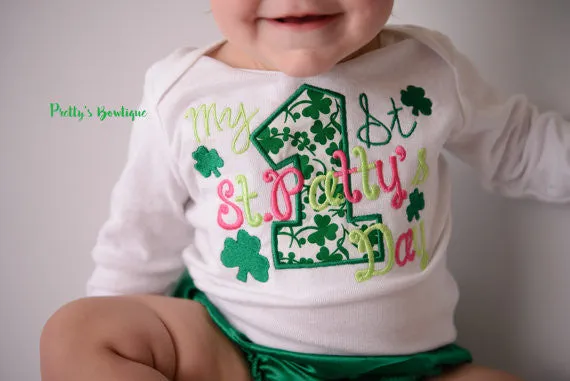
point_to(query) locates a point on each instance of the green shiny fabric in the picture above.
(269, 364)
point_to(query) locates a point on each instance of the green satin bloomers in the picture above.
(267, 364)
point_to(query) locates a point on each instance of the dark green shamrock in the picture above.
(269, 141)
(417, 204)
(207, 161)
(322, 133)
(306, 168)
(301, 141)
(318, 104)
(330, 151)
(324, 230)
(415, 97)
(325, 255)
(244, 254)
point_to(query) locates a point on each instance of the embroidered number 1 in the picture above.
(308, 134)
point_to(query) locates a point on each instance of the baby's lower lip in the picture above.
(303, 23)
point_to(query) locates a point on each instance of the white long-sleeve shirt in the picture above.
(315, 212)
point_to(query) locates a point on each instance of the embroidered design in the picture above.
(362, 239)
(225, 191)
(244, 254)
(415, 97)
(422, 172)
(408, 240)
(417, 204)
(400, 194)
(207, 161)
(252, 219)
(241, 123)
(306, 130)
(318, 104)
(315, 217)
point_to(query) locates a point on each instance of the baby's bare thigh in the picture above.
(139, 333)
(475, 373)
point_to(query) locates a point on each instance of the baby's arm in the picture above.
(138, 249)
(517, 150)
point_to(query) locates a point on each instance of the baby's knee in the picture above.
(60, 340)
(90, 327)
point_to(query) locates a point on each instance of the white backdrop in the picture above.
(511, 257)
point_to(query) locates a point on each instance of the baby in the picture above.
(284, 212)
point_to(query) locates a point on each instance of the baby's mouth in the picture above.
(304, 22)
(302, 19)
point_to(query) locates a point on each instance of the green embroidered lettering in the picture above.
(331, 184)
(421, 251)
(253, 220)
(362, 239)
(244, 129)
(422, 172)
(194, 114)
(208, 112)
(313, 194)
(371, 192)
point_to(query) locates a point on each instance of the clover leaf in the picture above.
(415, 97)
(324, 230)
(207, 161)
(318, 104)
(306, 168)
(417, 204)
(244, 254)
(322, 133)
(325, 255)
(269, 142)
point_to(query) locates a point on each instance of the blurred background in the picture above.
(511, 257)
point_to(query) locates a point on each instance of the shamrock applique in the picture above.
(270, 142)
(415, 97)
(306, 167)
(330, 151)
(318, 104)
(244, 254)
(417, 204)
(207, 161)
(322, 133)
(324, 229)
(325, 255)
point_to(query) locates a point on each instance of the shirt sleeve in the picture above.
(139, 248)
(517, 150)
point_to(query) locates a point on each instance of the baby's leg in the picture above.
(475, 373)
(137, 338)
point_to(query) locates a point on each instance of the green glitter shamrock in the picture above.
(244, 253)
(318, 104)
(269, 141)
(417, 204)
(324, 230)
(207, 161)
(322, 133)
(415, 97)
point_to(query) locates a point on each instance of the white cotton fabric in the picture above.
(164, 213)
